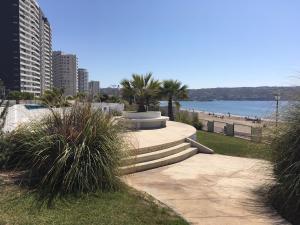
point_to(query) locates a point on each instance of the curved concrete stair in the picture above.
(156, 154)
(170, 159)
(157, 147)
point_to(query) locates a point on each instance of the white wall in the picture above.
(107, 107)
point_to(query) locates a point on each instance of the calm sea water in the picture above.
(261, 109)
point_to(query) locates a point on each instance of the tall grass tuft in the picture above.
(76, 150)
(285, 193)
(189, 118)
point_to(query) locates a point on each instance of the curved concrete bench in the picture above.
(145, 120)
(147, 123)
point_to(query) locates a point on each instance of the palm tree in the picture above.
(54, 98)
(173, 90)
(127, 91)
(141, 89)
(81, 96)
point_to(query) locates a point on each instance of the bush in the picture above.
(196, 122)
(185, 117)
(78, 150)
(5, 152)
(285, 193)
(128, 107)
(115, 113)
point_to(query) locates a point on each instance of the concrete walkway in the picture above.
(211, 189)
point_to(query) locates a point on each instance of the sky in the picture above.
(202, 43)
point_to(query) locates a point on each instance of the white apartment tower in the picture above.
(65, 72)
(83, 79)
(46, 53)
(25, 44)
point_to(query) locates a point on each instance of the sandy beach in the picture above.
(242, 126)
(226, 119)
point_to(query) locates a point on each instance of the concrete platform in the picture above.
(211, 189)
(173, 132)
(159, 147)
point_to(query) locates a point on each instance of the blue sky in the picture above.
(203, 43)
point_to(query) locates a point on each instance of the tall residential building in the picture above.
(25, 41)
(83, 79)
(65, 72)
(94, 88)
(46, 53)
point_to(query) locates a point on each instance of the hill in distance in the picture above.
(237, 94)
(245, 93)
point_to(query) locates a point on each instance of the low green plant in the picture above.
(130, 107)
(196, 122)
(186, 117)
(285, 193)
(5, 151)
(183, 117)
(54, 98)
(115, 113)
(77, 150)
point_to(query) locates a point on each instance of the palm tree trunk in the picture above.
(170, 109)
(141, 106)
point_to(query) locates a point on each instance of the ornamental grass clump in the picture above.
(76, 150)
(285, 192)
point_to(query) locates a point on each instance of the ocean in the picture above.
(261, 109)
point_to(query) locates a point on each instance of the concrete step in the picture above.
(156, 147)
(155, 154)
(180, 156)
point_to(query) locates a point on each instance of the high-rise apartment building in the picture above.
(94, 88)
(83, 79)
(46, 53)
(25, 44)
(65, 72)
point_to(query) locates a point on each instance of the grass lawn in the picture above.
(234, 146)
(17, 206)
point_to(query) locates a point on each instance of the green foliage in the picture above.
(127, 91)
(233, 146)
(3, 116)
(107, 98)
(17, 95)
(173, 90)
(81, 96)
(123, 207)
(5, 151)
(186, 117)
(103, 98)
(77, 150)
(141, 88)
(115, 113)
(54, 98)
(183, 117)
(285, 194)
(196, 122)
(130, 107)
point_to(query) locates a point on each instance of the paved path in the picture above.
(211, 189)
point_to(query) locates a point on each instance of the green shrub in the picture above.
(196, 122)
(185, 117)
(5, 151)
(285, 193)
(78, 150)
(115, 113)
(128, 107)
